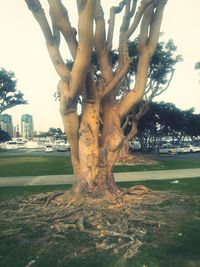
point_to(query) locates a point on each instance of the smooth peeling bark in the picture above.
(109, 152)
(71, 126)
(89, 147)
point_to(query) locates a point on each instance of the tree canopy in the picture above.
(9, 95)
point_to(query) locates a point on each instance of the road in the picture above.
(41, 152)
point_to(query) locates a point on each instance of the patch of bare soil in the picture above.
(117, 225)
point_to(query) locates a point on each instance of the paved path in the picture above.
(119, 177)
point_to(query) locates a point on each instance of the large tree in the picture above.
(9, 95)
(96, 137)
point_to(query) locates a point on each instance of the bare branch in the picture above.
(156, 24)
(85, 47)
(126, 17)
(135, 95)
(56, 31)
(133, 8)
(117, 78)
(61, 19)
(138, 16)
(144, 29)
(38, 13)
(146, 48)
(113, 12)
(100, 44)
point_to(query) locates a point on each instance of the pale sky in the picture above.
(23, 51)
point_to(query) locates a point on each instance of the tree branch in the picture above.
(156, 24)
(85, 47)
(146, 47)
(100, 44)
(113, 11)
(38, 13)
(61, 19)
(138, 16)
(55, 29)
(117, 78)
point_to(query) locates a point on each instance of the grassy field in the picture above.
(52, 165)
(176, 243)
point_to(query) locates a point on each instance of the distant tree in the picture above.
(163, 122)
(56, 133)
(9, 95)
(4, 136)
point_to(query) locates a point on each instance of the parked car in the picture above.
(134, 147)
(49, 148)
(182, 148)
(11, 145)
(63, 147)
(194, 148)
(186, 148)
(168, 149)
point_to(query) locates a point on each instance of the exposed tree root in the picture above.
(117, 225)
(52, 198)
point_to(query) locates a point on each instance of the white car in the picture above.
(194, 148)
(11, 145)
(168, 149)
(49, 148)
(181, 148)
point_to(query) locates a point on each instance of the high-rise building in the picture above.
(6, 124)
(27, 128)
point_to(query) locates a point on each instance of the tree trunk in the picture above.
(96, 163)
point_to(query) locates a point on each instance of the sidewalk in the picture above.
(119, 177)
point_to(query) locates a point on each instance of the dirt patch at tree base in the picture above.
(89, 225)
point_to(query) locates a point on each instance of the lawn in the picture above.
(52, 165)
(175, 243)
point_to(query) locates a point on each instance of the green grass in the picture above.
(34, 165)
(52, 165)
(179, 247)
(9, 192)
(164, 164)
(188, 185)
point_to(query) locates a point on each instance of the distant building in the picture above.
(6, 124)
(27, 128)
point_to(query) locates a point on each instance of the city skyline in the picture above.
(23, 51)
(24, 129)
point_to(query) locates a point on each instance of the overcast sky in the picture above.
(23, 51)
